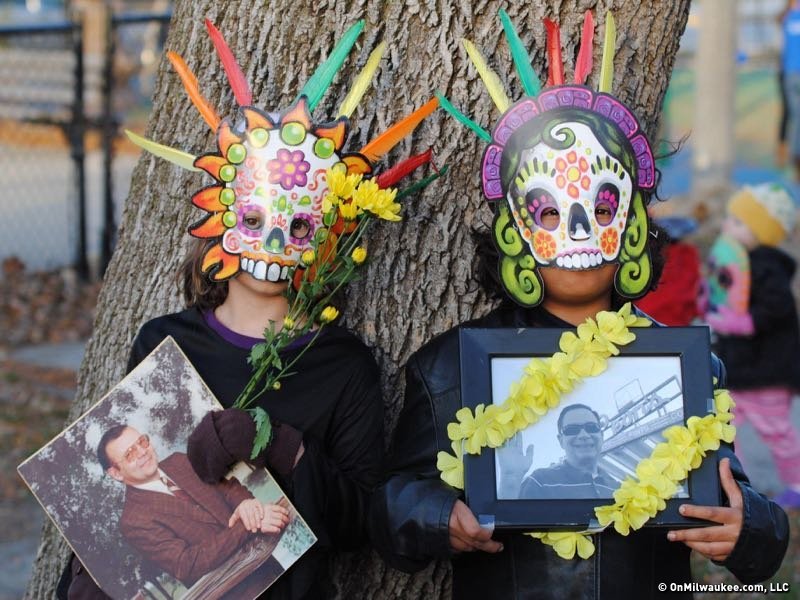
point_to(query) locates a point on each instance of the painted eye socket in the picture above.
(300, 228)
(606, 203)
(253, 220)
(543, 207)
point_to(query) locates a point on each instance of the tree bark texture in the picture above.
(419, 281)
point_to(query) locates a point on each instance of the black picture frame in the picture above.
(479, 351)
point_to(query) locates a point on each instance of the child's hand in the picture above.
(715, 542)
(275, 518)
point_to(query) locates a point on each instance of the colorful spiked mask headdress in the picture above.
(568, 170)
(266, 204)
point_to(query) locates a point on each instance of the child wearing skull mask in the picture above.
(569, 173)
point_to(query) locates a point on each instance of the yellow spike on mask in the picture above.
(609, 44)
(183, 159)
(362, 82)
(489, 77)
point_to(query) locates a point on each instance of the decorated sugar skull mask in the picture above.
(728, 277)
(568, 172)
(266, 205)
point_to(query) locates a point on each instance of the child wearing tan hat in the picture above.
(761, 346)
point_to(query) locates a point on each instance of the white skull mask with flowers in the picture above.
(570, 205)
(278, 188)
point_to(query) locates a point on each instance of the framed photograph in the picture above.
(119, 487)
(554, 473)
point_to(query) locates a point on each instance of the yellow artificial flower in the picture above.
(612, 331)
(682, 440)
(566, 543)
(365, 195)
(560, 376)
(328, 314)
(359, 255)
(451, 466)
(632, 320)
(349, 211)
(651, 472)
(340, 184)
(329, 201)
(307, 257)
(634, 505)
(288, 322)
(276, 386)
(677, 464)
(478, 436)
(385, 206)
(723, 403)
(500, 427)
(587, 358)
(706, 430)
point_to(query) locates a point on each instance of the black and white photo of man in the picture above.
(578, 475)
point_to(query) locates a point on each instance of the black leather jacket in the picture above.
(411, 510)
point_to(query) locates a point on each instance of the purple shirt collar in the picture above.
(245, 341)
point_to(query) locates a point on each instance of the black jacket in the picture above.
(410, 512)
(771, 355)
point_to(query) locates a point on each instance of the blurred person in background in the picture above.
(756, 323)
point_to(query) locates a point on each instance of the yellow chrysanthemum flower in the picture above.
(349, 211)
(288, 322)
(366, 194)
(359, 255)
(307, 257)
(340, 184)
(328, 314)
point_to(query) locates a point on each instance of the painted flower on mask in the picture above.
(289, 169)
(609, 241)
(572, 173)
(544, 244)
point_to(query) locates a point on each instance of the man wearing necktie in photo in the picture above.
(175, 520)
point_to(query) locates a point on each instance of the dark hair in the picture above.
(571, 407)
(109, 436)
(197, 289)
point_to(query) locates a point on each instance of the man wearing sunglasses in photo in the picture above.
(578, 475)
(180, 523)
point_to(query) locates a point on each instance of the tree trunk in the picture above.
(419, 281)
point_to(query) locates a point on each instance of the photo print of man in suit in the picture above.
(578, 474)
(181, 524)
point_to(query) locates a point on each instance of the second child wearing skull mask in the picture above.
(570, 180)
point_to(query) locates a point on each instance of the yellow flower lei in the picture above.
(585, 353)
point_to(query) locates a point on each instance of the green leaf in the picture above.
(257, 352)
(263, 431)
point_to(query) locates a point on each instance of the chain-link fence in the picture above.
(41, 145)
(64, 168)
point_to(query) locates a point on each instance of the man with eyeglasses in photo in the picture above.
(183, 525)
(578, 475)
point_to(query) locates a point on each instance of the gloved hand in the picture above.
(224, 437)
